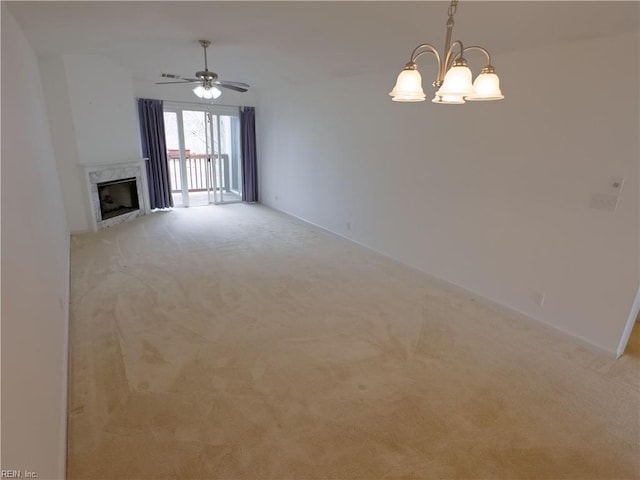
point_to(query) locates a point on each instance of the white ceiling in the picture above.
(266, 42)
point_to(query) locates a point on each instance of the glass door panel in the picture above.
(172, 139)
(197, 151)
(235, 158)
(228, 171)
(203, 155)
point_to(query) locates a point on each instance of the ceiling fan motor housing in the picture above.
(207, 75)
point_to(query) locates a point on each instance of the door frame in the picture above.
(211, 110)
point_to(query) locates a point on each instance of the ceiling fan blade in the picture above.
(171, 76)
(231, 86)
(237, 84)
(186, 80)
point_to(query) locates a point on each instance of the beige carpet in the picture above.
(236, 342)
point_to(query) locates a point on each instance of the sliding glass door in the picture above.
(203, 151)
(228, 174)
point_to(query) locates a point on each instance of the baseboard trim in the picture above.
(464, 291)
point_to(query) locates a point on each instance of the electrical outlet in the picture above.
(539, 298)
(603, 201)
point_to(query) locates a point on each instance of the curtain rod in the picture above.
(197, 103)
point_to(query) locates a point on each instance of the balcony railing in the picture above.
(196, 172)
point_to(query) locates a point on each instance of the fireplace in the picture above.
(118, 197)
(117, 191)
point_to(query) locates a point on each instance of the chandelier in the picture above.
(454, 77)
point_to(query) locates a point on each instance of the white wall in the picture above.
(91, 107)
(64, 142)
(35, 271)
(493, 197)
(103, 108)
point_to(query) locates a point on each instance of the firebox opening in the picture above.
(118, 197)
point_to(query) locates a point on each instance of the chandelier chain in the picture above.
(452, 8)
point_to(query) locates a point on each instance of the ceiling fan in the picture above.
(208, 80)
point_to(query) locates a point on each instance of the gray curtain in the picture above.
(154, 148)
(249, 156)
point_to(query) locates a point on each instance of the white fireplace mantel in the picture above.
(95, 173)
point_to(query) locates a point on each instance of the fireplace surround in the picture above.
(117, 192)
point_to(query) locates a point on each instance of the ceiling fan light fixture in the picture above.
(207, 92)
(199, 91)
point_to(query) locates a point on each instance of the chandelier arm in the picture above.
(451, 56)
(482, 49)
(426, 48)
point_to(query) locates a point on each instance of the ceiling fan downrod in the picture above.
(205, 44)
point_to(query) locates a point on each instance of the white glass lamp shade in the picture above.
(199, 91)
(408, 87)
(486, 87)
(448, 99)
(207, 93)
(457, 82)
